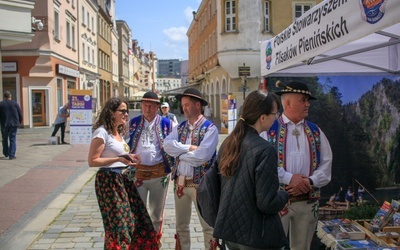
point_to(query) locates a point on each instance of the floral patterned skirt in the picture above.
(127, 224)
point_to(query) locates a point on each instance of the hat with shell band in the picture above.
(294, 87)
(150, 97)
(192, 93)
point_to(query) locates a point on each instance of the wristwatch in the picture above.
(311, 182)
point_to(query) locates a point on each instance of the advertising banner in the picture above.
(232, 113)
(224, 114)
(80, 116)
(326, 26)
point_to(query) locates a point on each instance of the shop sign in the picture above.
(64, 70)
(9, 66)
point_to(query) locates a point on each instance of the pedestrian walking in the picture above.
(61, 121)
(193, 142)
(250, 201)
(304, 165)
(127, 224)
(147, 133)
(10, 119)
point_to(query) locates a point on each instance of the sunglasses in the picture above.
(123, 111)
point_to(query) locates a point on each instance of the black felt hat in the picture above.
(150, 97)
(294, 87)
(192, 93)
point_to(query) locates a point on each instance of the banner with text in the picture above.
(328, 25)
(80, 116)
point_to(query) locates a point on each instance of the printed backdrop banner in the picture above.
(328, 25)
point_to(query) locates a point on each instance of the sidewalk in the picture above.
(48, 199)
(37, 186)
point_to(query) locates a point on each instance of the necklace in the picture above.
(296, 133)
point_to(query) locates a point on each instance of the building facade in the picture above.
(88, 50)
(51, 47)
(46, 67)
(124, 41)
(164, 84)
(169, 68)
(104, 41)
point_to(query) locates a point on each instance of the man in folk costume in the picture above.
(147, 133)
(193, 143)
(304, 163)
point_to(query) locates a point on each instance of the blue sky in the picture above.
(159, 26)
(352, 87)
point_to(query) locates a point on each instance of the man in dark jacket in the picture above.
(10, 119)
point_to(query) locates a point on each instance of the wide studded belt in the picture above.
(145, 172)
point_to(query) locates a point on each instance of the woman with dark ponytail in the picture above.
(248, 214)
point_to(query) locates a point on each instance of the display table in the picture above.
(385, 240)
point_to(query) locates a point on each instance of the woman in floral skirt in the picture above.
(127, 224)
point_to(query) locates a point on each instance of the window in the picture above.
(230, 16)
(88, 20)
(68, 30)
(83, 15)
(71, 84)
(73, 36)
(93, 25)
(299, 9)
(267, 16)
(56, 25)
(59, 92)
(92, 56)
(83, 51)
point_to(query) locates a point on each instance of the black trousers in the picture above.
(56, 127)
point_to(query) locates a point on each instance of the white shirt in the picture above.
(148, 145)
(112, 148)
(189, 159)
(298, 158)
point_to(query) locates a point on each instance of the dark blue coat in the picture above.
(10, 113)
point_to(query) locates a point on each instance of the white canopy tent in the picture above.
(337, 37)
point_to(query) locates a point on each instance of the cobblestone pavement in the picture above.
(80, 226)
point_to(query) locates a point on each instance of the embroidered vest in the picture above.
(162, 127)
(277, 137)
(197, 137)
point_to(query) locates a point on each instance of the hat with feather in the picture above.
(294, 87)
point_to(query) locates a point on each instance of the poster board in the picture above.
(232, 112)
(224, 114)
(81, 116)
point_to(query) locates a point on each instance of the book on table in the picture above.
(354, 232)
(383, 216)
(356, 244)
(396, 219)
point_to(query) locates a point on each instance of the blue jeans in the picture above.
(9, 134)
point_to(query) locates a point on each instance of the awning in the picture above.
(179, 90)
(340, 38)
